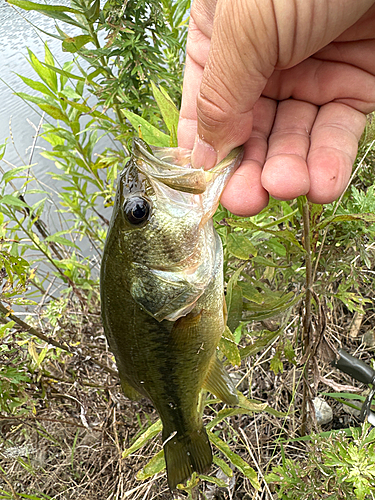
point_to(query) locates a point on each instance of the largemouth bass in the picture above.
(162, 296)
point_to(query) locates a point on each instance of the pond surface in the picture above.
(16, 34)
(18, 119)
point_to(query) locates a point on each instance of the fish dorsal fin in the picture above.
(219, 383)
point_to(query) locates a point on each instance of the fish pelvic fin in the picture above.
(185, 455)
(218, 382)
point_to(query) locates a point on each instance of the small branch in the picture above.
(15, 495)
(307, 246)
(28, 328)
(33, 331)
(307, 313)
(43, 419)
(338, 387)
(37, 130)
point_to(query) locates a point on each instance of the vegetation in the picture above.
(299, 279)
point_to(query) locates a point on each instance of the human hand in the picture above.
(292, 81)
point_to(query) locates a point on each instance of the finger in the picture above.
(232, 80)
(320, 82)
(197, 48)
(187, 125)
(244, 194)
(334, 145)
(362, 29)
(285, 175)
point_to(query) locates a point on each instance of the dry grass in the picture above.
(70, 447)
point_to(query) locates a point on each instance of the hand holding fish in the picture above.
(292, 81)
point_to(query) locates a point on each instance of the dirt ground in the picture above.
(70, 446)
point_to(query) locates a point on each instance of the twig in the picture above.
(37, 130)
(307, 313)
(33, 331)
(44, 419)
(15, 495)
(338, 387)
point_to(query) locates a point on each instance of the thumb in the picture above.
(242, 56)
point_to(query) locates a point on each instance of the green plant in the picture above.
(337, 468)
(289, 271)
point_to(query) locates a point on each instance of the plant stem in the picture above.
(28, 328)
(33, 331)
(307, 313)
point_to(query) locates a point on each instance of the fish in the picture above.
(162, 294)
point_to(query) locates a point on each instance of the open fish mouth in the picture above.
(180, 193)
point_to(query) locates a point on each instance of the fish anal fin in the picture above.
(219, 383)
(185, 455)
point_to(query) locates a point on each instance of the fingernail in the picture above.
(203, 155)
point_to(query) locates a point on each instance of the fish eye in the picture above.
(137, 210)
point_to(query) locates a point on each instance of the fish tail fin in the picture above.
(186, 454)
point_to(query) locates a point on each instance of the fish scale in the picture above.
(162, 296)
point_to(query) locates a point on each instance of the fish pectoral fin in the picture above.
(162, 294)
(186, 454)
(219, 383)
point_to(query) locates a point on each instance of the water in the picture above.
(16, 34)
(18, 119)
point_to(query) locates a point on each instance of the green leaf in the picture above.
(56, 113)
(149, 133)
(46, 74)
(2, 150)
(65, 73)
(4, 328)
(289, 351)
(53, 11)
(223, 465)
(150, 433)
(55, 238)
(26, 5)
(240, 246)
(93, 12)
(228, 347)
(271, 307)
(12, 201)
(27, 97)
(167, 108)
(236, 460)
(251, 293)
(48, 58)
(254, 406)
(246, 407)
(365, 217)
(276, 365)
(211, 479)
(233, 300)
(69, 93)
(13, 174)
(264, 341)
(39, 86)
(155, 465)
(72, 44)
(234, 306)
